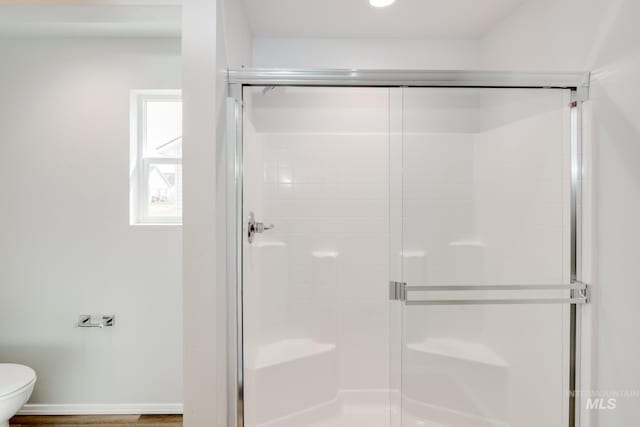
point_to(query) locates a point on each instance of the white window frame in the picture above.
(140, 163)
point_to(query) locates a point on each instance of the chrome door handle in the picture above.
(254, 227)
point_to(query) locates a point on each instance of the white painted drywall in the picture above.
(201, 319)
(83, 19)
(66, 246)
(214, 34)
(601, 36)
(237, 34)
(365, 53)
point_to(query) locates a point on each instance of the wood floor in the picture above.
(97, 421)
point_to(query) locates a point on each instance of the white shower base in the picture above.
(364, 408)
(351, 408)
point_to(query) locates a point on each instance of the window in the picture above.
(156, 157)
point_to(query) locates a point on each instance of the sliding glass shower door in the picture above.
(458, 205)
(480, 257)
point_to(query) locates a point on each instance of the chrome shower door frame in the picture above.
(577, 82)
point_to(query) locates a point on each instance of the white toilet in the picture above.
(16, 385)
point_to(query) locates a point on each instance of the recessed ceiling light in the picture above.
(380, 3)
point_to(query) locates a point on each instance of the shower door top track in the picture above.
(237, 79)
(409, 78)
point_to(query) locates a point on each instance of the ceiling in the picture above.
(409, 19)
(432, 19)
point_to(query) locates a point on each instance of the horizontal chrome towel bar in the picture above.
(573, 286)
(498, 301)
(580, 294)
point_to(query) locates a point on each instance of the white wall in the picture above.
(365, 53)
(214, 34)
(202, 349)
(237, 34)
(601, 36)
(67, 247)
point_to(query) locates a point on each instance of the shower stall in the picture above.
(404, 248)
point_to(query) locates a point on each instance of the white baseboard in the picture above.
(101, 409)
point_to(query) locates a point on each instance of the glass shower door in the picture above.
(315, 309)
(480, 257)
